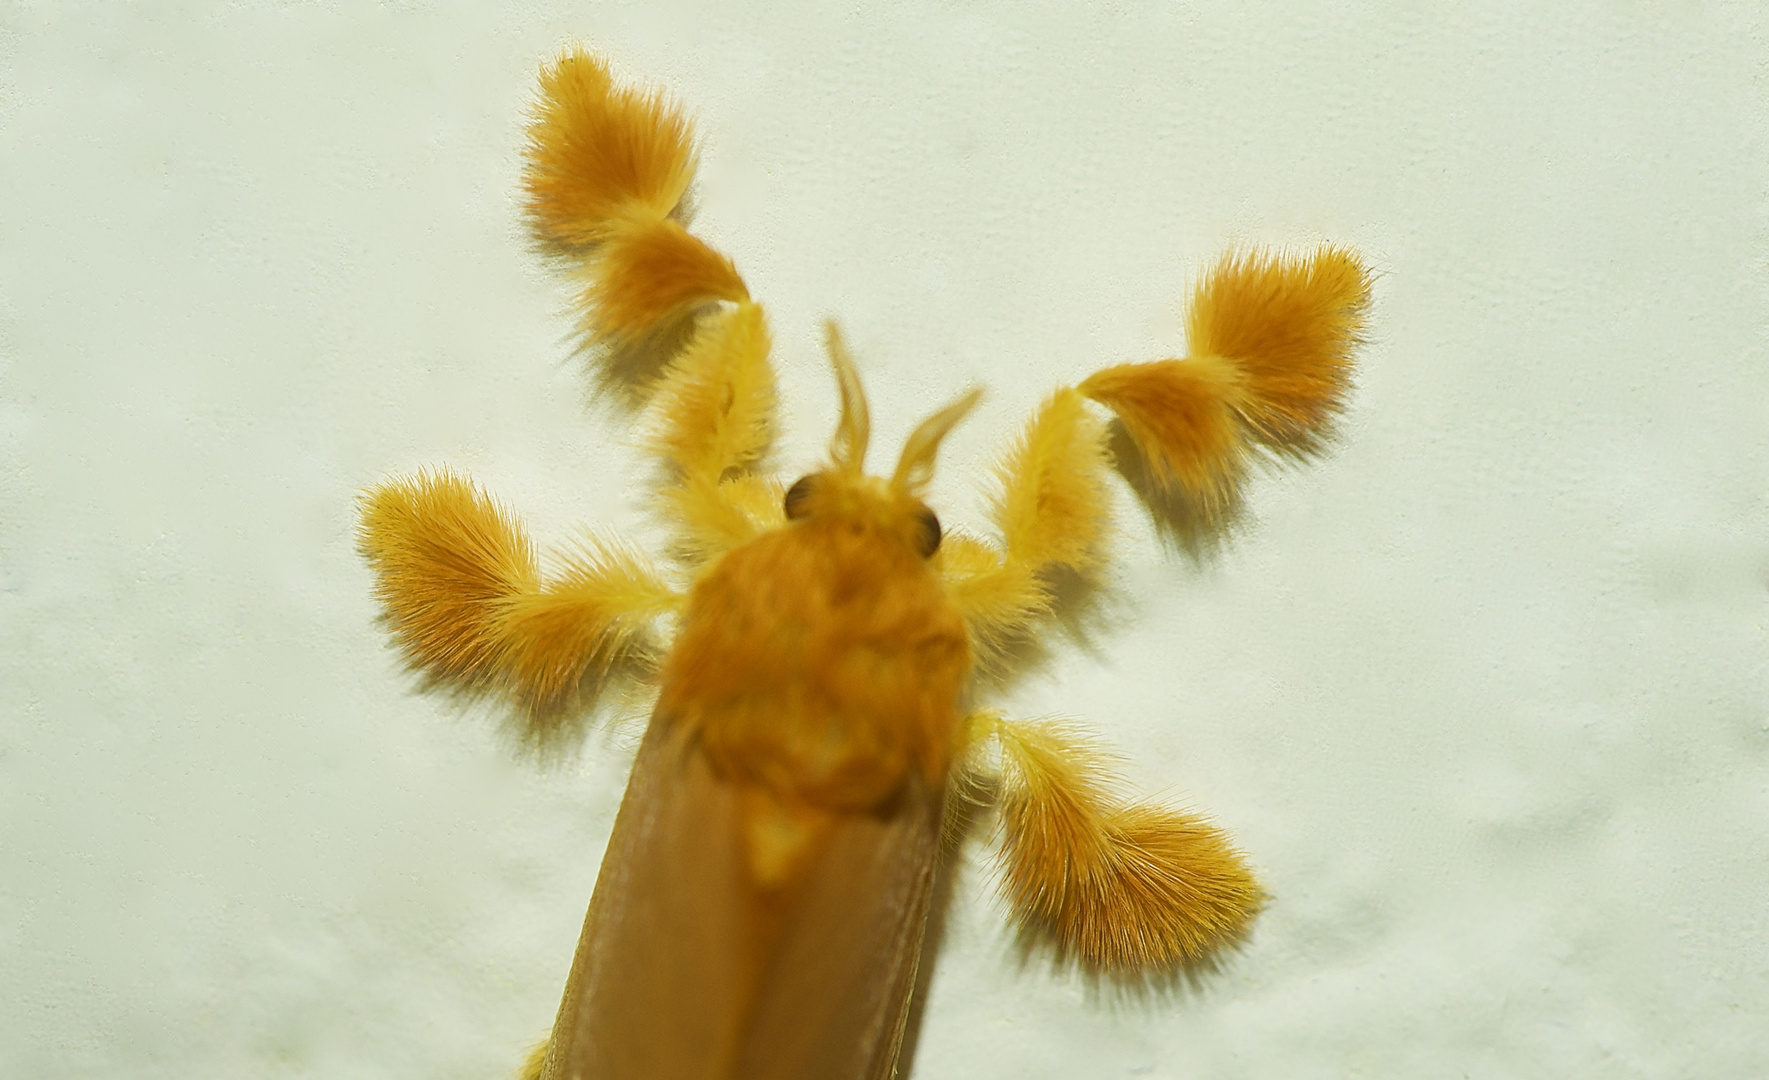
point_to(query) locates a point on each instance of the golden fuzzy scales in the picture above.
(1116, 887)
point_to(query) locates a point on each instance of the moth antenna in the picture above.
(916, 465)
(854, 431)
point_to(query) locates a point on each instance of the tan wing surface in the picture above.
(687, 970)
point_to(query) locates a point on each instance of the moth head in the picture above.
(844, 493)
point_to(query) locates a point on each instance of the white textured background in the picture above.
(1484, 694)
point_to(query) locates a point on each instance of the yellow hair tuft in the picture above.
(712, 411)
(563, 644)
(596, 150)
(712, 517)
(1052, 504)
(1000, 599)
(1119, 890)
(650, 273)
(537, 1060)
(1289, 323)
(1183, 416)
(462, 591)
(446, 558)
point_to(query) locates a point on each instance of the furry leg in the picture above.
(711, 420)
(608, 169)
(1051, 509)
(1272, 337)
(459, 584)
(1123, 890)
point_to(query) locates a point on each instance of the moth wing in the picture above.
(688, 970)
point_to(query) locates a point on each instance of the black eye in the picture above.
(796, 496)
(927, 536)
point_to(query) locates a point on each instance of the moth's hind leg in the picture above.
(463, 594)
(1130, 891)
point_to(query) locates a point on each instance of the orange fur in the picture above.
(865, 657)
(711, 418)
(999, 599)
(1118, 889)
(1052, 509)
(562, 642)
(799, 757)
(1290, 324)
(1052, 506)
(596, 150)
(713, 409)
(1182, 416)
(651, 271)
(462, 590)
(537, 1059)
(711, 518)
(446, 558)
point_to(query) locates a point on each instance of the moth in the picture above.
(819, 656)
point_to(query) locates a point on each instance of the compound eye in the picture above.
(927, 533)
(796, 498)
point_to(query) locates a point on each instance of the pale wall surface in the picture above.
(1484, 693)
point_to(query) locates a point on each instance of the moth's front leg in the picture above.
(711, 420)
(673, 324)
(1051, 511)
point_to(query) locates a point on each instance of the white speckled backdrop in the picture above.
(1485, 694)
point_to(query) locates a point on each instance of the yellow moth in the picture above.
(819, 651)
